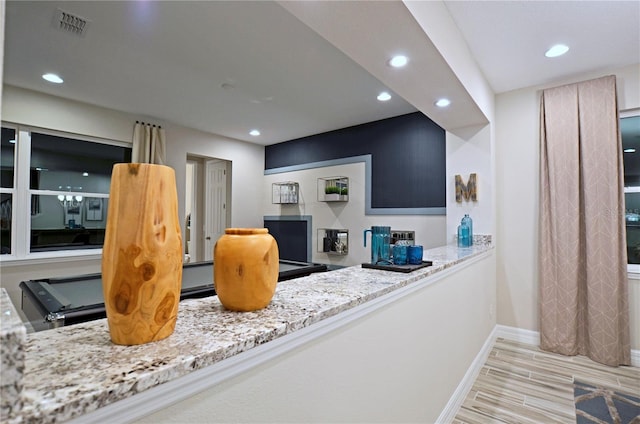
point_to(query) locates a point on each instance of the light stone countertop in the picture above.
(70, 371)
(12, 341)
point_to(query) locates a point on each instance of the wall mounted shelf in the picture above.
(333, 241)
(333, 189)
(285, 192)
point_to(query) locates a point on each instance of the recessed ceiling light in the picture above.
(632, 150)
(557, 50)
(443, 102)
(398, 61)
(53, 78)
(254, 133)
(384, 96)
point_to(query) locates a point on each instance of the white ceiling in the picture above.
(228, 67)
(509, 38)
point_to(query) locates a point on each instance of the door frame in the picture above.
(199, 211)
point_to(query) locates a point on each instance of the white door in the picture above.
(215, 220)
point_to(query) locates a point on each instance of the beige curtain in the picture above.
(148, 144)
(582, 244)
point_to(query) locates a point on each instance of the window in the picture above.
(55, 186)
(630, 130)
(7, 191)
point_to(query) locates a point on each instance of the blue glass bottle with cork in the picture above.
(465, 232)
(467, 220)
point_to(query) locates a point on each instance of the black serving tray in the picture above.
(398, 268)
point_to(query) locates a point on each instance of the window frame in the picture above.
(633, 270)
(22, 192)
(12, 190)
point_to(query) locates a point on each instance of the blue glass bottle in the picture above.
(463, 235)
(469, 223)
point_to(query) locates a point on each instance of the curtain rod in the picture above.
(144, 123)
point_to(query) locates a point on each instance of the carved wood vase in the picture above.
(142, 254)
(246, 263)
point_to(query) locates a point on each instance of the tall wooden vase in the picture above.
(246, 263)
(142, 254)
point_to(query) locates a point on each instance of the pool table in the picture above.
(56, 302)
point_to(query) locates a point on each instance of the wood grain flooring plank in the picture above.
(520, 383)
(509, 413)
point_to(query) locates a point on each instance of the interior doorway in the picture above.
(207, 205)
(190, 205)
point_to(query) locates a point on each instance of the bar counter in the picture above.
(71, 371)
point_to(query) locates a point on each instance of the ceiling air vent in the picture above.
(71, 23)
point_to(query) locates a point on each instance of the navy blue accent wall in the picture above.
(291, 237)
(408, 158)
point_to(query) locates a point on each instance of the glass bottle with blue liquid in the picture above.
(467, 220)
(465, 232)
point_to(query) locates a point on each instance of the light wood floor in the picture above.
(521, 384)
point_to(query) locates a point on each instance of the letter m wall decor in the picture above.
(467, 191)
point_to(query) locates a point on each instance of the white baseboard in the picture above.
(499, 331)
(518, 334)
(533, 337)
(635, 358)
(455, 402)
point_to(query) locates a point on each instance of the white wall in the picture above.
(517, 173)
(402, 363)
(2, 8)
(469, 150)
(27, 107)
(348, 215)
(466, 156)
(436, 21)
(246, 174)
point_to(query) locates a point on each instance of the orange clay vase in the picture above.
(142, 254)
(245, 268)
